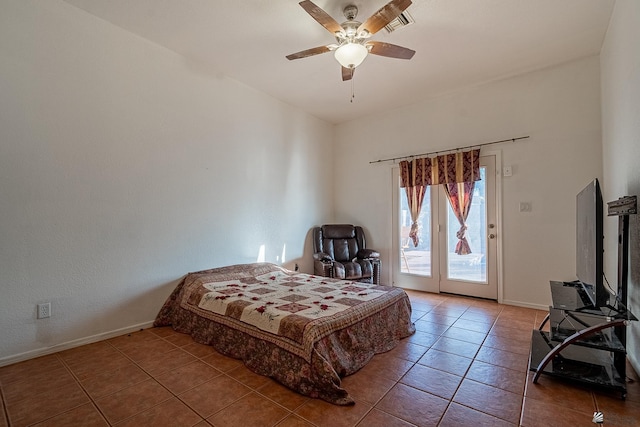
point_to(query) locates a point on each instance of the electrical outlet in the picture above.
(44, 310)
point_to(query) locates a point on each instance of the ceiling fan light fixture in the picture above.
(352, 37)
(350, 55)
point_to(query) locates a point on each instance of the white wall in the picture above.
(558, 107)
(123, 167)
(620, 62)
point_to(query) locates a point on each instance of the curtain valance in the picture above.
(444, 169)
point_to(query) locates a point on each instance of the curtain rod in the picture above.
(451, 149)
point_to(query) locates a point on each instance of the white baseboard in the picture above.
(31, 354)
(526, 305)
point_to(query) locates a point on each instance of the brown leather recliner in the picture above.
(340, 252)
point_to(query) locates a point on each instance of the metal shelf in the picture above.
(584, 365)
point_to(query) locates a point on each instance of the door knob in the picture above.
(491, 225)
(492, 236)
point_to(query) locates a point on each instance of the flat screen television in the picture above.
(589, 243)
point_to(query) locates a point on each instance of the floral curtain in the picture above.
(454, 168)
(415, 176)
(447, 168)
(459, 195)
(415, 196)
(416, 172)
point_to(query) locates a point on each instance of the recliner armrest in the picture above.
(367, 254)
(322, 257)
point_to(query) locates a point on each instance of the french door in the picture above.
(432, 265)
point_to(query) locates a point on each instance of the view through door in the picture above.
(432, 265)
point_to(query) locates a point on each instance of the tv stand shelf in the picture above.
(596, 373)
(592, 355)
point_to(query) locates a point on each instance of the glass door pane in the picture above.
(471, 267)
(415, 259)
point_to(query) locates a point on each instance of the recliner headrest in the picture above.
(339, 231)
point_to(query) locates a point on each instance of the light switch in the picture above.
(506, 171)
(525, 206)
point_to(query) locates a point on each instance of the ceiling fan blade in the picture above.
(321, 16)
(309, 52)
(384, 15)
(347, 73)
(390, 50)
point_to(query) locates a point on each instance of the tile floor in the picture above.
(465, 366)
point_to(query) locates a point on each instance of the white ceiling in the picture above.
(458, 43)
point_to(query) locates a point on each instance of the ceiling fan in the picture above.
(353, 44)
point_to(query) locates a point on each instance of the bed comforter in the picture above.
(304, 331)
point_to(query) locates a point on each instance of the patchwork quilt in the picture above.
(302, 316)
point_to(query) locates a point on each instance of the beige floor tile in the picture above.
(250, 410)
(185, 377)
(171, 412)
(283, 396)
(110, 381)
(38, 366)
(323, 414)
(434, 381)
(294, 421)
(377, 418)
(497, 376)
(490, 400)
(462, 416)
(413, 405)
(85, 415)
(39, 407)
(448, 362)
(214, 395)
(466, 365)
(367, 386)
(552, 391)
(132, 400)
(537, 413)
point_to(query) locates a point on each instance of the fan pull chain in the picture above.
(353, 90)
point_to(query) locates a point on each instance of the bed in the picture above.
(304, 331)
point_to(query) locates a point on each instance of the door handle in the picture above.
(492, 236)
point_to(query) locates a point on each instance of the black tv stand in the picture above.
(581, 346)
(586, 344)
